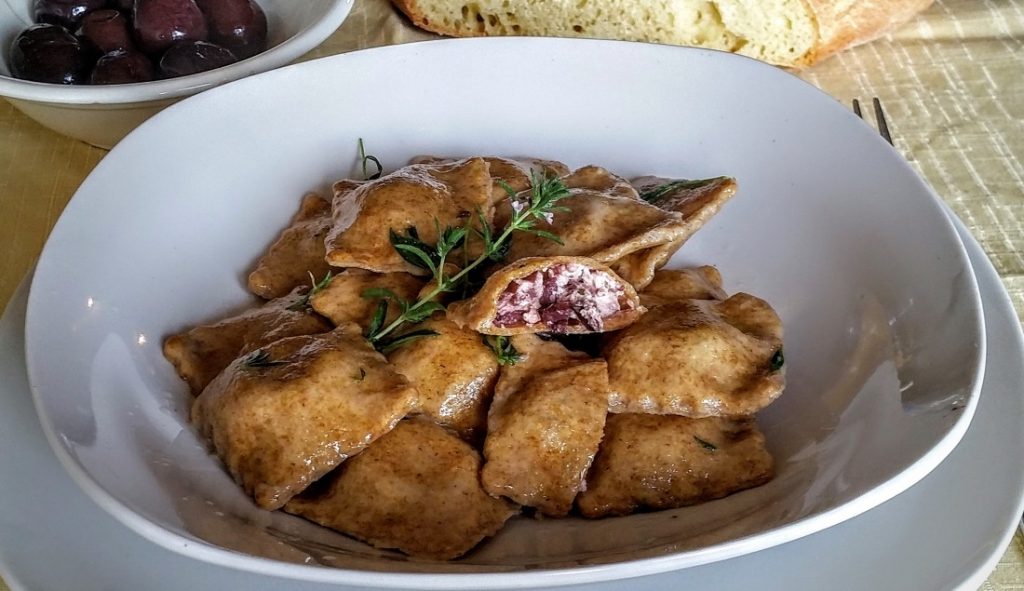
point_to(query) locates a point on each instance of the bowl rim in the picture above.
(140, 92)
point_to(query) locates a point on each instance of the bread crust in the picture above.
(840, 24)
(843, 24)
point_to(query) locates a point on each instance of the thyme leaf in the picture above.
(413, 250)
(423, 312)
(383, 296)
(260, 358)
(315, 288)
(420, 254)
(364, 158)
(777, 361)
(706, 444)
(658, 192)
(503, 349)
(486, 235)
(379, 315)
(389, 345)
(548, 235)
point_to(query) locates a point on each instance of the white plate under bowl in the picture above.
(945, 532)
(884, 343)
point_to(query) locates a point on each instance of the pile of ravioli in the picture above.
(433, 447)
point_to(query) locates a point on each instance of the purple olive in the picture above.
(158, 24)
(66, 13)
(122, 67)
(106, 30)
(192, 57)
(48, 53)
(238, 25)
(123, 5)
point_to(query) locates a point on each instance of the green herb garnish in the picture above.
(315, 288)
(658, 192)
(388, 345)
(777, 361)
(376, 328)
(503, 349)
(260, 358)
(420, 254)
(364, 158)
(540, 205)
(706, 444)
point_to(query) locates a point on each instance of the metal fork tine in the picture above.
(883, 127)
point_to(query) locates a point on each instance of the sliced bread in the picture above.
(791, 33)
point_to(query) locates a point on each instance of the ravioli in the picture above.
(601, 219)
(415, 489)
(426, 197)
(544, 426)
(342, 299)
(574, 372)
(202, 352)
(454, 373)
(513, 173)
(698, 358)
(696, 201)
(285, 415)
(297, 253)
(670, 285)
(596, 178)
(663, 461)
(549, 294)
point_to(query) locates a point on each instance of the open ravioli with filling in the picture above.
(550, 294)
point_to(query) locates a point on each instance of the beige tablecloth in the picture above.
(952, 83)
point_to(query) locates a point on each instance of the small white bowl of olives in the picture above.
(96, 69)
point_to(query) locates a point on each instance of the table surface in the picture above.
(951, 83)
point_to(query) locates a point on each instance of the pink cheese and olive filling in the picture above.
(560, 296)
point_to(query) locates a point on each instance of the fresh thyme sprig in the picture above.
(527, 212)
(503, 349)
(315, 288)
(364, 158)
(260, 358)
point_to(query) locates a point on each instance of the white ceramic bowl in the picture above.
(102, 115)
(884, 333)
